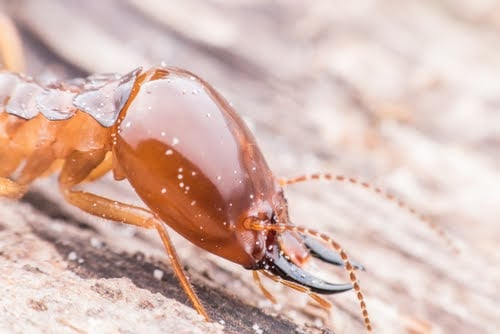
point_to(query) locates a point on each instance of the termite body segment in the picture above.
(184, 150)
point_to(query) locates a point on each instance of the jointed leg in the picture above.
(11, 189)
(105, 166)
(133, 215)
(174, 259)
(11, 50)
(262, 288)
(79, 168)
(320, 300)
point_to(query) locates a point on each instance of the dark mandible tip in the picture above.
(326, 254)
(278, 265)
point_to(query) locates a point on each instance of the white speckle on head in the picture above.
(158, 274)
(193, 203)
(169, 152)
(175, 141)
(179, 176)
(193, 173)
(181, 184)
(251, 196)
(163, 190)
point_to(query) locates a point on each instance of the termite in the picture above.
(188, 156)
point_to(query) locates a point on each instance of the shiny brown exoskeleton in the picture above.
(189, 157)
(184, 150)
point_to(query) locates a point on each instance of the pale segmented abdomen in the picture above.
(102, 97)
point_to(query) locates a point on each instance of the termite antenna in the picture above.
(381, 193)
(261, 226)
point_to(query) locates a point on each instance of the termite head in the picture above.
(195, 164)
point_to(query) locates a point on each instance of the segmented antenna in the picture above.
(381, 193)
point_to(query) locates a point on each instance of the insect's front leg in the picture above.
(78, 169)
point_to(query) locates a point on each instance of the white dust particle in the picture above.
(256, 328)
(158, 274)
(72, 256)
(96, 243)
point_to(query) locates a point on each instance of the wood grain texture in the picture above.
(403, 94)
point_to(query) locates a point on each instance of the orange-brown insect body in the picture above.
(187, 154)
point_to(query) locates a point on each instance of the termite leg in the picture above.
(378, 191)
(77, 170)
(181, 275)
(133, 215)
(262, 288)
(36, 165)
(104, 167)
(11, 50)
(11, 189)
(314, 296)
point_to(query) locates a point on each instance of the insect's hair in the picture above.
(261, 226)
(381, 193)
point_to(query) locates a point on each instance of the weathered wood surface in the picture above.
(404, 94)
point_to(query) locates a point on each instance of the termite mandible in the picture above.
(188, 156)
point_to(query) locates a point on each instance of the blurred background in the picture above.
(404, 94)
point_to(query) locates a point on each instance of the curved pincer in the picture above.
(276, 264)
(326, 254)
